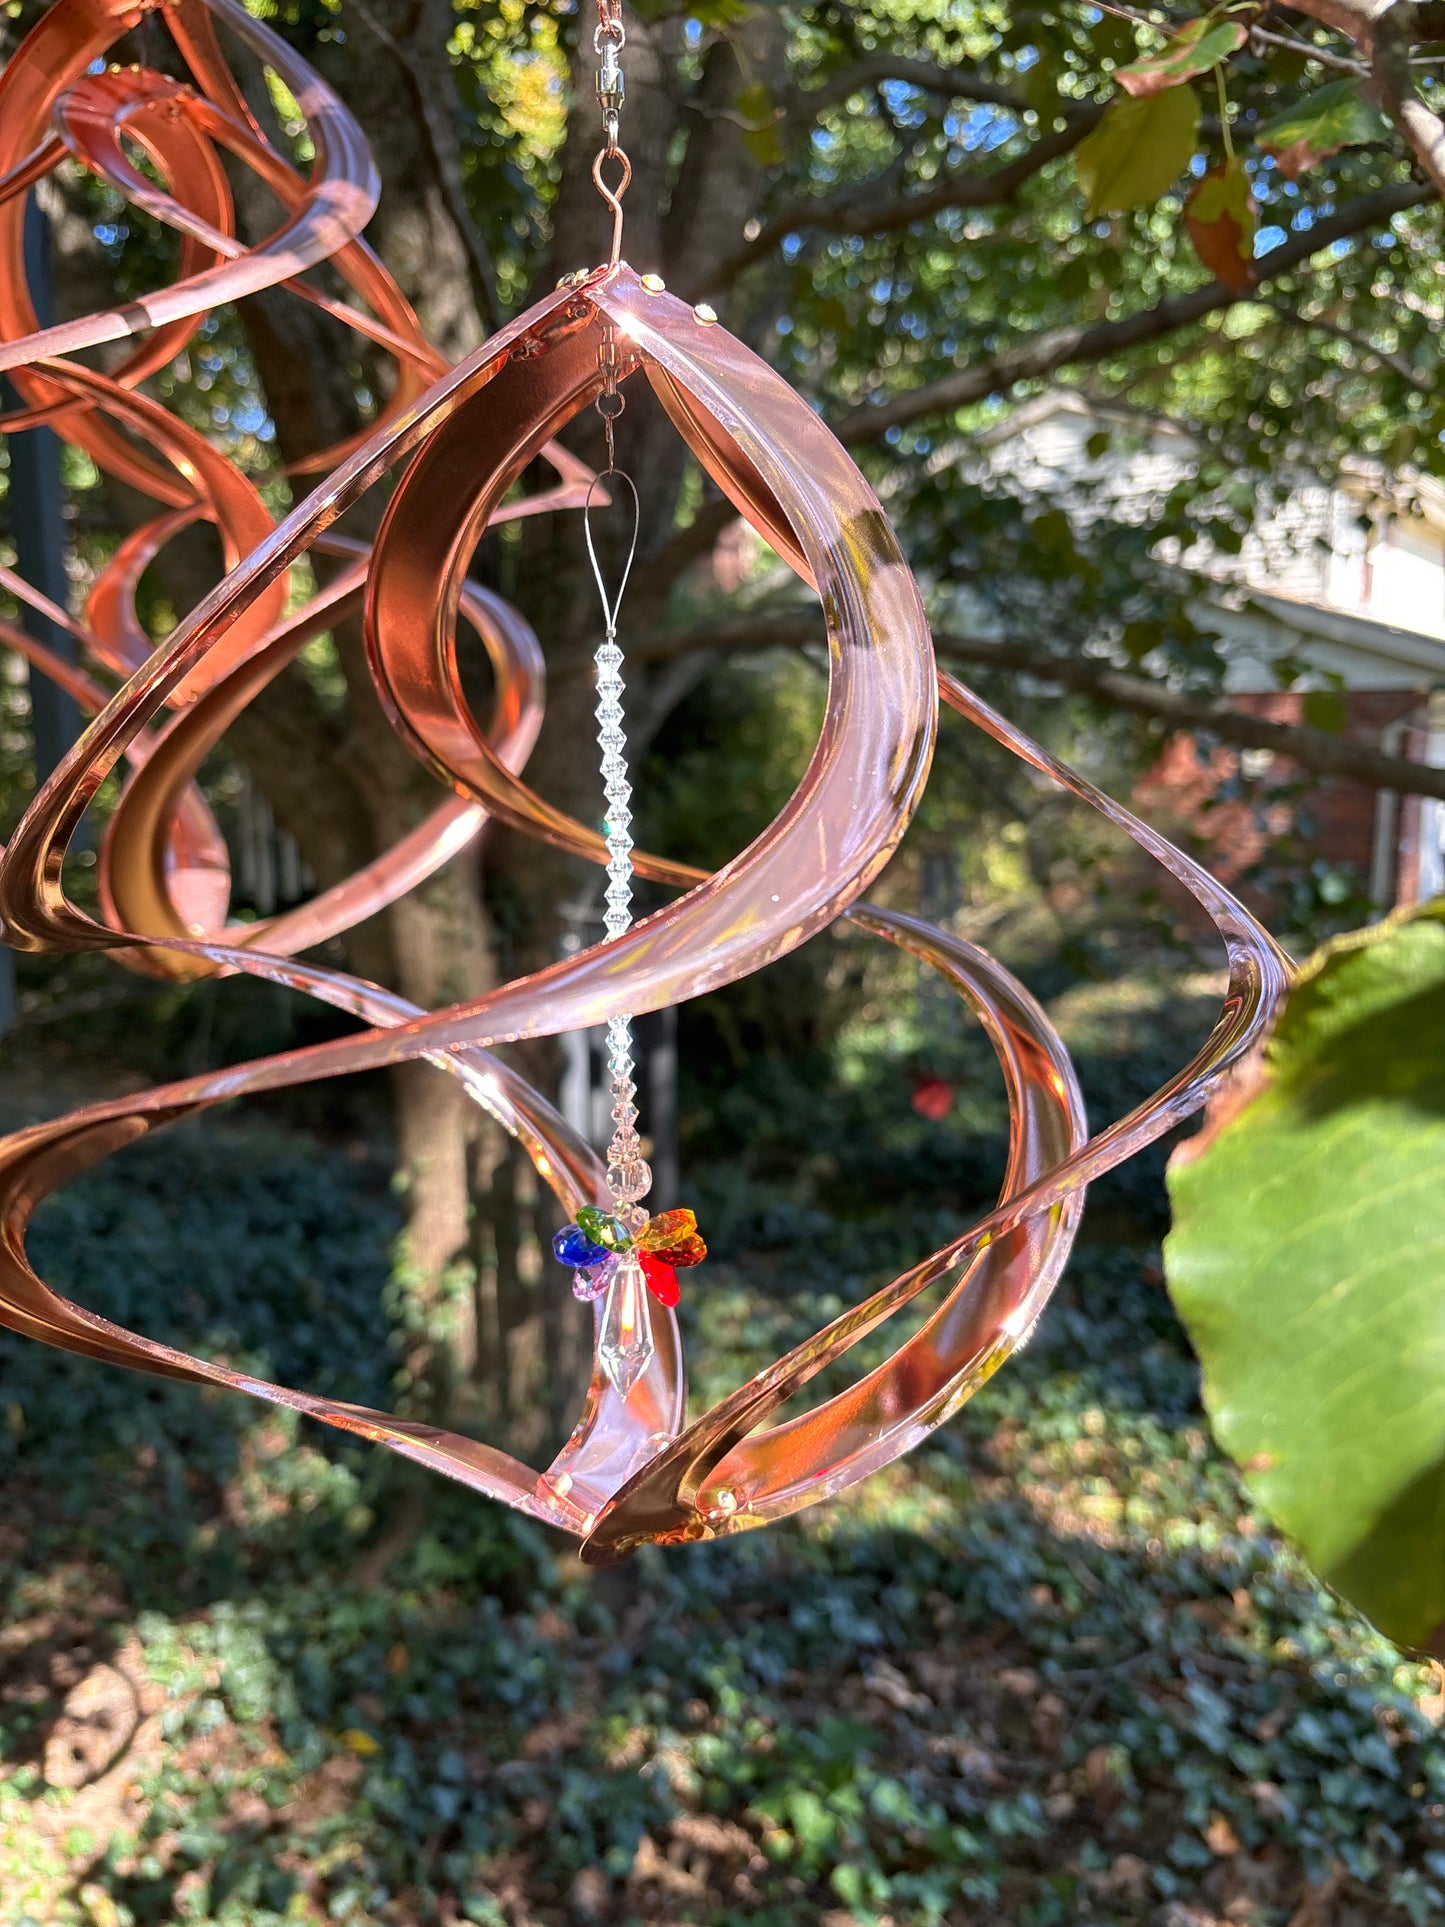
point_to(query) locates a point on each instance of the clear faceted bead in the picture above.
(629, 1181)
(624, 1345)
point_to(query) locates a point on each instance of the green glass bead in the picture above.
(609, 1232)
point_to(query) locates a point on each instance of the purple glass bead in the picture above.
(590, 1281)
(573, 1247)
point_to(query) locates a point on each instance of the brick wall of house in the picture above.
(1191, 790)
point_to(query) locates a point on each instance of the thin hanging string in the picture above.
(628, 1177)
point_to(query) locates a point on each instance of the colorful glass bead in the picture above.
(665, 1229)
(673, 1237)
(590, 1281)
(572, 1246)
(618, 1253)
(681, 1252)
(604, 1229)
(661, 1279)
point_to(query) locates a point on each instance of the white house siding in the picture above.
(1343, 548)
(1348, 579)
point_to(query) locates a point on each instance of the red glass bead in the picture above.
(661, 1279)
(683, 1252)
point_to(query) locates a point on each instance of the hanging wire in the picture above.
(609, 37)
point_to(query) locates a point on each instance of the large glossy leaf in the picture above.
(1198, 46)
(1308, 1260)
(1336, 116)
(1137, 151)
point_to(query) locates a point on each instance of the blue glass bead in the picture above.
(573, 1247)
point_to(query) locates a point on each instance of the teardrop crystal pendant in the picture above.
(624, 1345)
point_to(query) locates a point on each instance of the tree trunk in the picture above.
(349, 793)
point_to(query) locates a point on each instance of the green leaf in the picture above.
(847, 1883)
(1137, 151)
(1222, 220)
(1109, 265)
(1334, 117)
(1074, 278)
(1198, 46)
(813, 1826)
(1139, 639)
(1308, 1261)
(1111, 38)
(1325, 709)
(1053, 534)
(1038, 84)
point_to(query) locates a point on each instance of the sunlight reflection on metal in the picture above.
(632, 1470)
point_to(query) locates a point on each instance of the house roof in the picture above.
(1366, 653)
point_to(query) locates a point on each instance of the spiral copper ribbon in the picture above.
(632, 1470)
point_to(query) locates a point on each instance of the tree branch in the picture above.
(1040, 355)
(1054, 348)
(1322, 56)
(874, 208)
(1316, 750)
(1360, 343)
(689, 545)
(1396, 32)
(952, 83)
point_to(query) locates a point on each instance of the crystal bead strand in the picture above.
(628, 1176)
(624, 1339)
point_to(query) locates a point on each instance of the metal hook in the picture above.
(613, 198)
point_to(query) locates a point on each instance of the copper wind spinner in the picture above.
(633, 1469)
